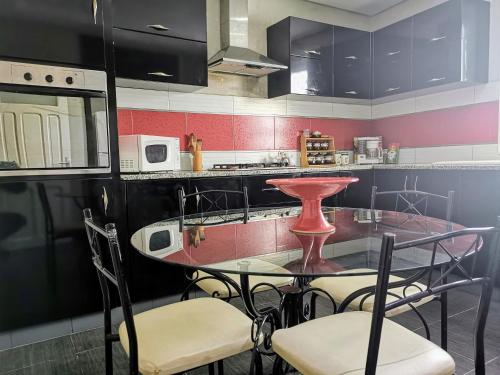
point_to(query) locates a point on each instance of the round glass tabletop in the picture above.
(222, 242)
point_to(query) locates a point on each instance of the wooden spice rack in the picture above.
(305, 152)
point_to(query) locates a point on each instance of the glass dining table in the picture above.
(232, 246)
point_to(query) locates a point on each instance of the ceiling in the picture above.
(367, 7)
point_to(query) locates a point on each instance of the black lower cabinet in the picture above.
(358, 194)
(261, 194)
(148, 202)
(46, 271)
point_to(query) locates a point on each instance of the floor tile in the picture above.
(69, 367)
(92, 362)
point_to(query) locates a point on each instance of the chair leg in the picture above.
(313, 302)
(211, 369)
(444, 315)
(220, 367)
(108, 343)
(278, 366)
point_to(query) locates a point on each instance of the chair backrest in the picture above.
(213, 204)
(414, 201)
(481, 240)
(105, 249)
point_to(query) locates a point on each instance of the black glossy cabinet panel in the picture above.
(306, 47)
(352, 63)
(148, 57)
(310, 76)
(57, 31)
(261, 194)
(451, 44)
(392, 56)
(46, 270)
(181, 19)
(310, 39)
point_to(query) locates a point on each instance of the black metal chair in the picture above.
(212, 208)
(173, 338)
(363, 342)
(340, 288)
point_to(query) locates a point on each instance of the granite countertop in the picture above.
(460, 165)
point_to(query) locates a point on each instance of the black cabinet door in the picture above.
(46, 270)
(181, 19)
(58, 31)
(352, 63)
(261, 194)
(310, 39)
(310, 76)
(392, 59)
(150, 57)
(437, 45)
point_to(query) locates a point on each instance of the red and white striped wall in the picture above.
(454, 125)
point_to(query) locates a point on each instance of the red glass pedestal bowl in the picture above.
(311, 191)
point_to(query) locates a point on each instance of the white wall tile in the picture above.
(258, 106)
(352, 111)
(200, 103)
(186, 164)
(407, 155)
(445, 99)
(488, 92)
(485, 152)
(217, 157)
(443, 153)
(256, 156)
(308, 109)
(391, 109)
(142, 99)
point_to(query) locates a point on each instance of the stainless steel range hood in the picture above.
(235, 57)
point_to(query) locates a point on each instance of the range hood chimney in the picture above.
(235, 57)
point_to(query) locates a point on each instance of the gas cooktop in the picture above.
(236, 167)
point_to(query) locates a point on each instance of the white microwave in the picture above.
(149, 153)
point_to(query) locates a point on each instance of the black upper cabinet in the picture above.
(451, 44)
(181, 19)
(306, 47)
(161, 41)
(54, 31)
(392, 59)
(352, 63)
(149, 57)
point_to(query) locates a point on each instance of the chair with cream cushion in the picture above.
(340, 288)
(360, 342)
(169, 339)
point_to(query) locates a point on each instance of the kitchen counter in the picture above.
(460, 165)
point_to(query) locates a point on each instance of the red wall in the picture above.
(473, 124)
(228, 132)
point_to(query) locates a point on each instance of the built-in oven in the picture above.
(53, 120)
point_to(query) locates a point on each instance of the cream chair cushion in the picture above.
(340, 287)
(217, 288)
(188, 334)
(338, 344)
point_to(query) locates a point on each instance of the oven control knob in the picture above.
(28, 76)
(69, 80)
(49, 78)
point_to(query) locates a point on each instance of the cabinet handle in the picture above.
(392, 53)
(314, 91)
(159, 27)
(391, 89)
(94, 10)
(352, 92)
(437, 79)
(160, 74)
(313, 52)
(437, 38)
(351, 57)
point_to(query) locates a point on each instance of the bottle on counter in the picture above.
(393, 153)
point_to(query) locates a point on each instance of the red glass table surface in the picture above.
(266, 246)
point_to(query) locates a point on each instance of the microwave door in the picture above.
(155, 156)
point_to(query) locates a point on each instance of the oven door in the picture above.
(159, 154)
(45, 130)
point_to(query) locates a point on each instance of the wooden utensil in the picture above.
(195, 146)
